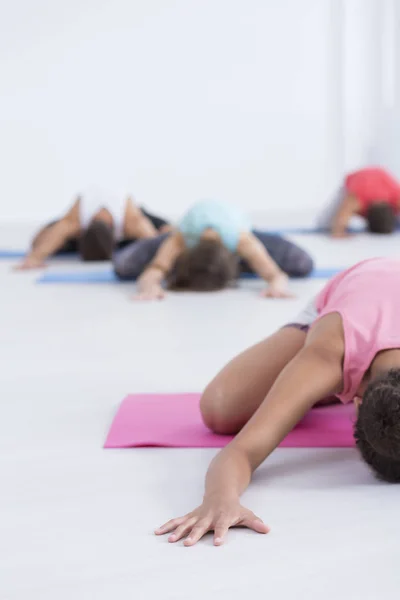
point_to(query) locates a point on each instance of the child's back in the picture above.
(226, 220)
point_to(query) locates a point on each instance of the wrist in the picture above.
(150, 277)
(146, 284)
(155, 273)
(221, 494)
(35, 257)
(278, 277)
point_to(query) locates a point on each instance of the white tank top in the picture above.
(93, 200)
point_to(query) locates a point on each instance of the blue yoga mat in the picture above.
(108, 276)
(310, 230)
(12, 253)
(21, 253)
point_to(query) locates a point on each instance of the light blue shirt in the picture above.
(228, 221)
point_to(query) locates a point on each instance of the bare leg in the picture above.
(237, 391)
(40, 235)
(130, 262)
(137, 225)
(70, 246)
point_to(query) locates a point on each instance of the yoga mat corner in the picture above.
(174, 421)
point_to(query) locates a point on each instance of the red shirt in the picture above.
(372, 185)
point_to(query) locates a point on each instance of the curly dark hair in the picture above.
(381, 218)
(97, 242)
(377, 429)
(207, 267)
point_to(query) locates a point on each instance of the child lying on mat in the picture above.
(203, 255)
(370, 193)
(93, 227)
(347, 343)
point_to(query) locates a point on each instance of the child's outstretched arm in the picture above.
(314, 373)
(52, 239)
(346, 210)
(253, 251)
(149, 284)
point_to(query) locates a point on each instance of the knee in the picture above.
(122, 268)
(213, 408)
(118, 267)
(301, 265)
(306, 265)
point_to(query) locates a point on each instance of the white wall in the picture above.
(386, 147)
(262, 102)
(367, 52)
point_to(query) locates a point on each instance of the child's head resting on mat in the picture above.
(377, 429)
(97, 241)
(207, 267)
(381, 218)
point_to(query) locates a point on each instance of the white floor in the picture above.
(76, 521)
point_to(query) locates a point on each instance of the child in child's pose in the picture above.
(203, 255)
(94, 226)
(370, 193)
(347, 343)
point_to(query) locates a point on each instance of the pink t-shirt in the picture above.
(367, 297)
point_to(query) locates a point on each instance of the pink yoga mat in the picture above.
(173, 420)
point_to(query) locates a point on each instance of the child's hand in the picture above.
(278, 288)
(166, 229)
(340, 235)
(215, 514)
(150, 292)
(30, 262)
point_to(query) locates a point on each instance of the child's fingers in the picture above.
(254, 523)
(220, 531)
(269, 293)
(276, 294)
(169, 526)
(143, 297)
(28, 266)
(183, 529)
(200, 529)
(139, 296)
(146, 296)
